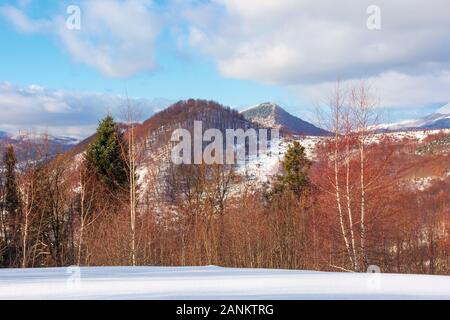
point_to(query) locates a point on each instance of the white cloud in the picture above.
(307, 44)
(395, 89)
(299, 41)
(298, 44)
(62, 112)
(21, 22)
(116, 37)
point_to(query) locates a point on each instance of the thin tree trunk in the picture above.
(349, 208)
(5, 234)
(82, 196)
(363, 202)
(80, 244)
(132, 160)
(338, 199)
(25, 239)
(29, 200)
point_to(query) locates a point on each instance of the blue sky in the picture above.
(238, 53)
(39, 59)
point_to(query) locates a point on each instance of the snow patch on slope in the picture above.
(264, 167)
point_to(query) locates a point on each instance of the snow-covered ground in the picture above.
(213, 283)
(262, 167)
(418, 135)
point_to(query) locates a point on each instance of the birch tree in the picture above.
(350, 118)
(132, 156)
(364, 107)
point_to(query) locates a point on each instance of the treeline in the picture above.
(347, 209)
(298, 221)
(48, 203)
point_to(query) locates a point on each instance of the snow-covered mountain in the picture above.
(55, 144)
(62, 140)
(438, 120)
(272, 115)
(155, 133)
(37, 137)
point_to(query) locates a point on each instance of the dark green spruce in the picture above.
(106, 155)
(295, 171)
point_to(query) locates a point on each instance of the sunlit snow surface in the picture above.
(213, 283)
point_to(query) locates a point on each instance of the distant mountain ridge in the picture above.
(54, 144)
(273, 116)
(438, 120)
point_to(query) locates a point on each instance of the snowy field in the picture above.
(213, 283)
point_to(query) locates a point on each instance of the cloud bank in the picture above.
(302, 45)
(292, 41)
(68, 113)
(305, 44)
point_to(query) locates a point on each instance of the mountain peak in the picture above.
(272, 105)
(271, 115)
(264, 108)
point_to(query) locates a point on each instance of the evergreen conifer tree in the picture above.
(106, 155)
(295, 166)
